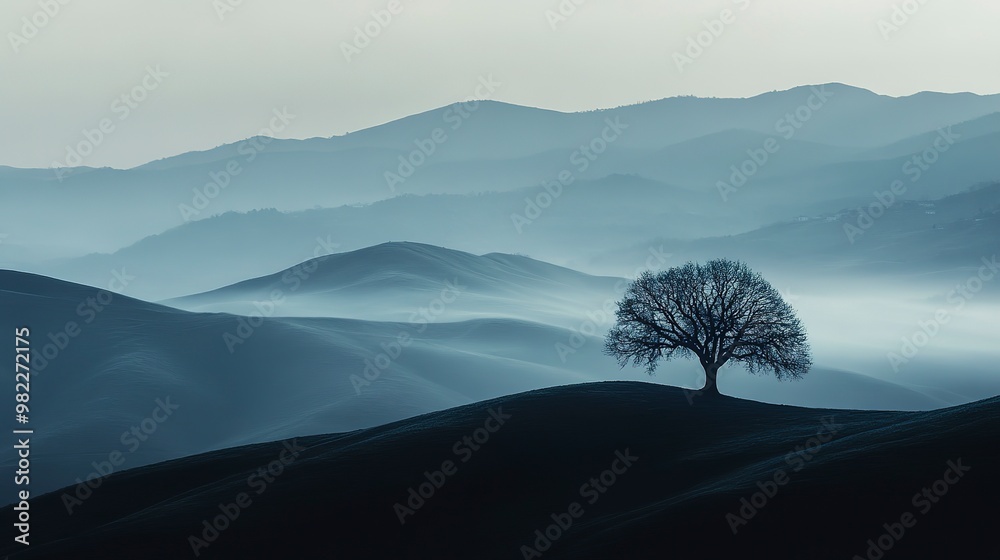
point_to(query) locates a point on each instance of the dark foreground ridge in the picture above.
(603, 470)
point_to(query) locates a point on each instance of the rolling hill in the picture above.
(102, 360)
(606, 470)
(388, 282)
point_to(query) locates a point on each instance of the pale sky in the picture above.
(220, 76)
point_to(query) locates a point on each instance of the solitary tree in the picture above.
(718, 312)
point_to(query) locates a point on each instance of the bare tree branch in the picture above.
(719, 312)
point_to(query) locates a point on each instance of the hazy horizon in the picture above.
(337, 81)
(438, 107)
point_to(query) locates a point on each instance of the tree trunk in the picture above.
(711, 388)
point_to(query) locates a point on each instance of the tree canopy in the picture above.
(717, 312)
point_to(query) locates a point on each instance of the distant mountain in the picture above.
(928, 172)
(586, 227)
(594, 471)
(585, 217)
(502, 147)
(702, 162)
(847, 116)
(907, 236)
(986, 126)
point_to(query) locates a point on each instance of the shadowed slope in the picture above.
(691, 467)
